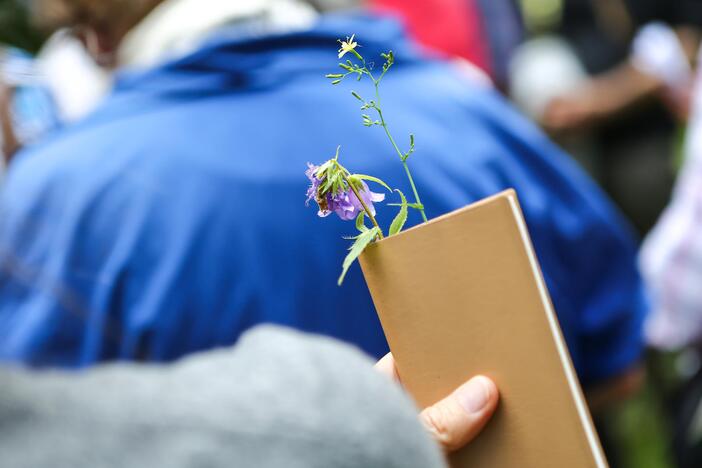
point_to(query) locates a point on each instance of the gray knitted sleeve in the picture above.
(277, 399)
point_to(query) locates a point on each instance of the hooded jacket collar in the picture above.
(177, 27)
(229, 62)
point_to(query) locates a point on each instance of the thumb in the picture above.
(459, 418)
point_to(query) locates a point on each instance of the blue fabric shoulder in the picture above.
(174, 219)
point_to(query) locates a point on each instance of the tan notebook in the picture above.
(464, 295)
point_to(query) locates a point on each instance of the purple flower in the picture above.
(315, 182)
(347, 206)
(344, 203)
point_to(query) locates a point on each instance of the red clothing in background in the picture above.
(452, 27)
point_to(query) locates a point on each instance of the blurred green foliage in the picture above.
(641, 429)
(15, 28)
(641, 432)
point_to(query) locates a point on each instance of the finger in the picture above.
(458, 418)
(386, 366)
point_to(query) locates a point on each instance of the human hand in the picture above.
(569, 112)
(457, 419)
(600, 98)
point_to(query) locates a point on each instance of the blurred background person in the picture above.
(611, 81)
(184, 192)
(484, 32)
(44, 84)
(27, 110)
(671, 260)
(610, 106)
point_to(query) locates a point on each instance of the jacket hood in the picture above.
(229, 62)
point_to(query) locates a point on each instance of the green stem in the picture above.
(414, 190)
(363, 204)
(397, 149)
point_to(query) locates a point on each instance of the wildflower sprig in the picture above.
(337, 190)
(359, 70)
(337, 180)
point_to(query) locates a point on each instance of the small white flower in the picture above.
(347, 46)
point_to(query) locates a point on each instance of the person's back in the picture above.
(174, 218)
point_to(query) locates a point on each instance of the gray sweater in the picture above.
(277, 399)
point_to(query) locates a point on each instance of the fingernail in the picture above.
(474, 395)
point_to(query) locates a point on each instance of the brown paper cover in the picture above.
(463, 295)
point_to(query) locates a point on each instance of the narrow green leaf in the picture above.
(335, 82)
(328, 182)
(399, 222)
(360, 221)
(322, 169)
(373, 179)
(355, 182)
(411, 149)
(338, 184)
(334, 75)
(356, 250)
(414, 206)
(356, 95)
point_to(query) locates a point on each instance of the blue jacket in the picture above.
(173, 219)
